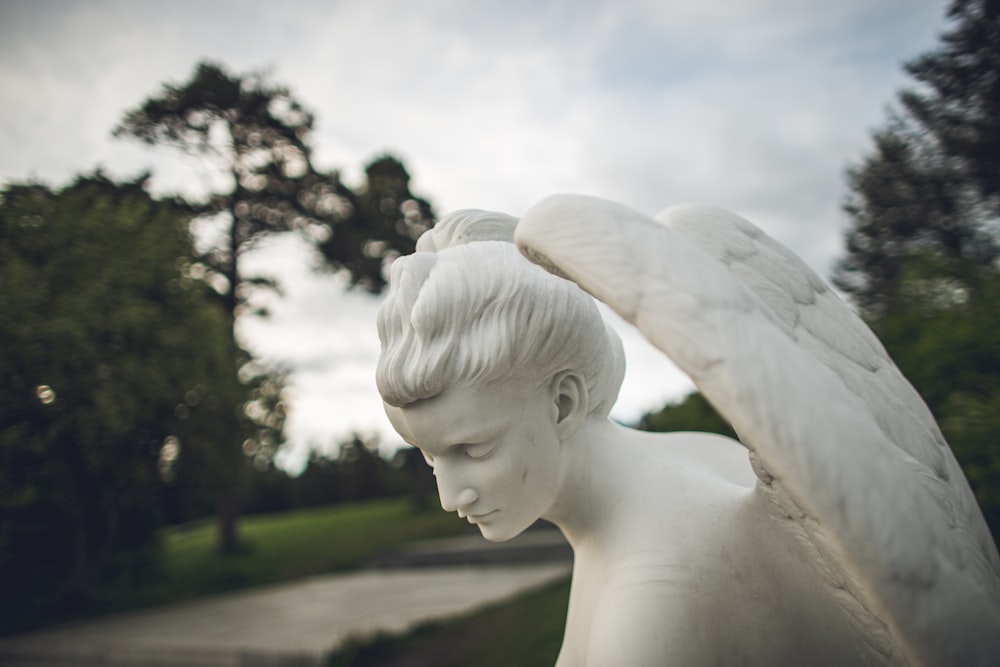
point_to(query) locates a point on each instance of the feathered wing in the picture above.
(846, 451)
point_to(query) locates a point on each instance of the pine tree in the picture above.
(256, 135)
(923, 245)
(932, 184)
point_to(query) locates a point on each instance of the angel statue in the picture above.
(838, 530)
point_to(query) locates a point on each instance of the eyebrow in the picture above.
(470, 438)
(478, 435)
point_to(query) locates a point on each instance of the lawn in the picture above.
(526, 632)
(283, 546)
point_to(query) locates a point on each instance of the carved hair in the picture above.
(479, 312)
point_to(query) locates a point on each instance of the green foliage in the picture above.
(923, 246)
(943, 334)
(383, 220)
(931, 185)
(907, 200)
(276, 547)
(296, 544)
(694, 413)
(959, 103)
(357, 473)
(106, 337)
(256, 135)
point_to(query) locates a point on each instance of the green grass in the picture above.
(278, 547)
(526, 632)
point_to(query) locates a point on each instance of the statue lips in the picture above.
(477, 518)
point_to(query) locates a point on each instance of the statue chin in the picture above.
(494, 528)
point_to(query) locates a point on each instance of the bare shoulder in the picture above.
(661, 604)
(691, 542)
(705, 455)
(668, 620)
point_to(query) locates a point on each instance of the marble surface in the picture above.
(838, 530)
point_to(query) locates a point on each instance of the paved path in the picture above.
(532, 546)
(295, 623)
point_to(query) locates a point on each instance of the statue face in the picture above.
(495, 453)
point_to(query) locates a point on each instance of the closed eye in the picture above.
(479, 451)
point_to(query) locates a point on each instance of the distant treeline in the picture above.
(357, 473)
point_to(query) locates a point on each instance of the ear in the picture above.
(570, 400)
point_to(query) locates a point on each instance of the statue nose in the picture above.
(463, 499)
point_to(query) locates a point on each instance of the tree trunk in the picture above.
(227, 511)
(81, 566)
(227, 534)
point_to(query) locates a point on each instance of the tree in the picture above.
(932, 184)
(256, 135)
(942, 333)
(383, 220)
(108, 338)
(923, 245)
(960, 104)
(693, 413)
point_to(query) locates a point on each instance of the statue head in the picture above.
(477, 312)
(490, 365)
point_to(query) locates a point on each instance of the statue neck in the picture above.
(594, 474)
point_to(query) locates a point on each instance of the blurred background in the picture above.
(200, 200)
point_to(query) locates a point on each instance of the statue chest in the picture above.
(702, 605)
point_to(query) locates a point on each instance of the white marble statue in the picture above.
(838, 531)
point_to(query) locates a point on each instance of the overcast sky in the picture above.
(754, 105)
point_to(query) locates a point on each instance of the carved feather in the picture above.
(847, 453)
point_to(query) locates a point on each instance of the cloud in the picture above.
(755, 105)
